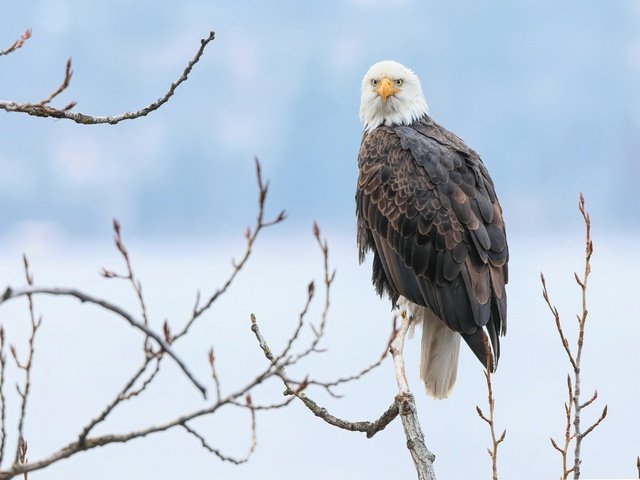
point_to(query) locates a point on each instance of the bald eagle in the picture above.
(427, 209)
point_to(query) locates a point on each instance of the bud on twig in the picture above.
(167, 332)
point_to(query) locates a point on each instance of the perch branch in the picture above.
(422, 458)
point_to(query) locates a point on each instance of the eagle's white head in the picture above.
(391, 95)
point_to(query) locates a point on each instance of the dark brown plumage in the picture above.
(427, 208)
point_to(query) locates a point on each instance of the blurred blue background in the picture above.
(547, 93)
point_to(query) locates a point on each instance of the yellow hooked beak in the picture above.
(386, 88)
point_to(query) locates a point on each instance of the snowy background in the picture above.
(546, 92)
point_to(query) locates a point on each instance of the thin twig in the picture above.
(125, 394)
(556, 316)
(568, 436)
(602, 416)
(42, 110)
(3, 404)
(134, 281)
(364, 371)
(328, 281)
(23, 392)
(296, 332)
(63, 86)
(17, 44)
(272, 406)
(217, 452)
(214, 375)
(495, 441)
(250, 235)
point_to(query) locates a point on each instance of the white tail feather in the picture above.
(439, 357)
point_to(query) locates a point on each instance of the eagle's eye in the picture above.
(399, 82)
(374, 82)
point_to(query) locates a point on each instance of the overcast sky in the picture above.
(546, 92)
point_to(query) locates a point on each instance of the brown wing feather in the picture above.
(427, 208)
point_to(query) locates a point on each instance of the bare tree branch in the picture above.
(43, 110)
(573, 408)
